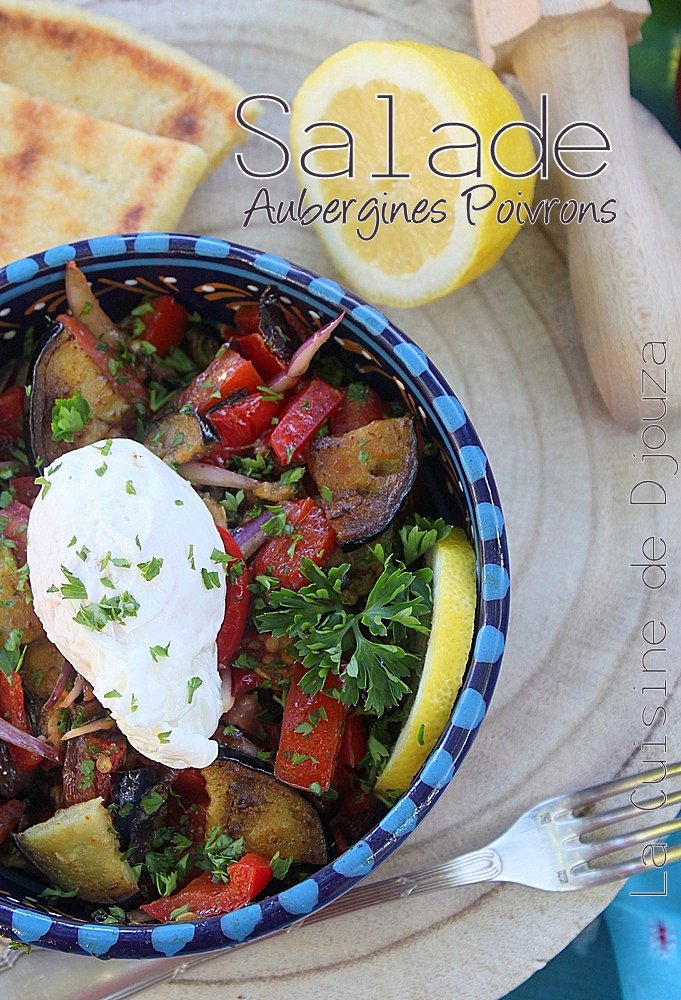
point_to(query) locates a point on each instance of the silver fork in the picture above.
(546, 847)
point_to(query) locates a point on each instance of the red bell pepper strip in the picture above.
(311, 735)
(361, 405)
(244, 681)
(227, 373)
(12, 412)
(164, 324)
(312, 537)
(88, 766)
(354, 745)
(13, 525)
(240, 424)
(13, 710)
(10, 814)
(122, 377)
(205, 898)
(190, 786)
(253, 347)
(236, 600)
(302, 418)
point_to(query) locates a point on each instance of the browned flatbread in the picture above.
(100, 66)
(66, 176)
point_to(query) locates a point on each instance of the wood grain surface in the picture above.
(567, 711)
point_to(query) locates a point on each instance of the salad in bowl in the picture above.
(238, 603)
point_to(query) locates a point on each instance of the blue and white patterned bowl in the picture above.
(211, 276)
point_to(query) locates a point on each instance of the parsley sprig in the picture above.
(366, 646)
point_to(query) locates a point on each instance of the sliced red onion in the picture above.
(300, 362)
(226, 692)
(250, 536)
(60, 684)
(69, 699)
(212, 475)
(90, 727)
(18, 738)
(87, 310)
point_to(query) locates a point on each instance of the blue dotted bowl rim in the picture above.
(457, 435)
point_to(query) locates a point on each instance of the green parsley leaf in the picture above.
(101, 469)
(192, 684)
(151, 802)
(210, 578)
(357, 392)
(41, 481)
(218, 853)
(129, 487)
(326, 494)
(269, 395)
(54, 892)
(293, 475)
(179, 911)
(73, 589)
(151, 568)
(164, 737)
(158, 652)
(418, 538)
(280, 866)
(69, 417)
(113, 693)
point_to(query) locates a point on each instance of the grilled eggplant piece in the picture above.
(61, 369)
(248, 802)
(281, 329)
(134, 826)
(78, 849)
(180, 437)
(369, 472)
(16, 607)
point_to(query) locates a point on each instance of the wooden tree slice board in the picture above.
(567, 711)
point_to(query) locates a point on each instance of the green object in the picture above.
(654, 64)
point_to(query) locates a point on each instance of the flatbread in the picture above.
(98, 65)
(66, 176)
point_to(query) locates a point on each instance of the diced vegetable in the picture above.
(164, 324)
(121, 376)
(236, 600)
(16, 607)
(269, 364)
(14, 525)
(62, 369)
(302, 419)
(12, 412)
(77, 848)
(364, 475)
(132, 822)
(361, 406)
(311, 735)
(88, 766)
(228, 373)
(270, 816)
(242, 422)
(180, 436)
(205, 898)
(312, 537)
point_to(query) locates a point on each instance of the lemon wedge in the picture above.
(449, 643)
(419, 256)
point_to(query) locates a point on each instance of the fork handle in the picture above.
(476, 866)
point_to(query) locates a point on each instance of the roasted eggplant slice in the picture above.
(133, 824)
(247, 802)
(61, 369)
(281, 328)
(180, 437)
(78, 849)
(369, 472)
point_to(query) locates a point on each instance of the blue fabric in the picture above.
(631, 952)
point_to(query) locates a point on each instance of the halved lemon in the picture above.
(413, 259)
(449, 643)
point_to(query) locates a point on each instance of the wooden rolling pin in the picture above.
(626, 275)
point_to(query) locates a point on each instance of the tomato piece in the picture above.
(244, 681)
(241, 423)
(25, 489)
(236, 600)
(311, 734)
(88, 766)
(12, 412)
(13, 525)
(124, 381)
(312, 537)
(10, 814)
(253, 347)
(302, 418)
(164, 324)
(227, 373)
(361, 405)
(13, 710)
(205, 898)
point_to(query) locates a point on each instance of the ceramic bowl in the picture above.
(212, 276)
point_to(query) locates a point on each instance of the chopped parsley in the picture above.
(12, 652)
(159, 652)
(326, 494)
(280, 866)
(192, 684)
(129, 487)
(69, 417)
(101, 469)
(151, 568)
(151, 802)
(421, 536)
(73, 589)
(164, 737)
(116, 609)
(210, 578)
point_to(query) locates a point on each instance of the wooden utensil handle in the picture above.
(625, 275)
